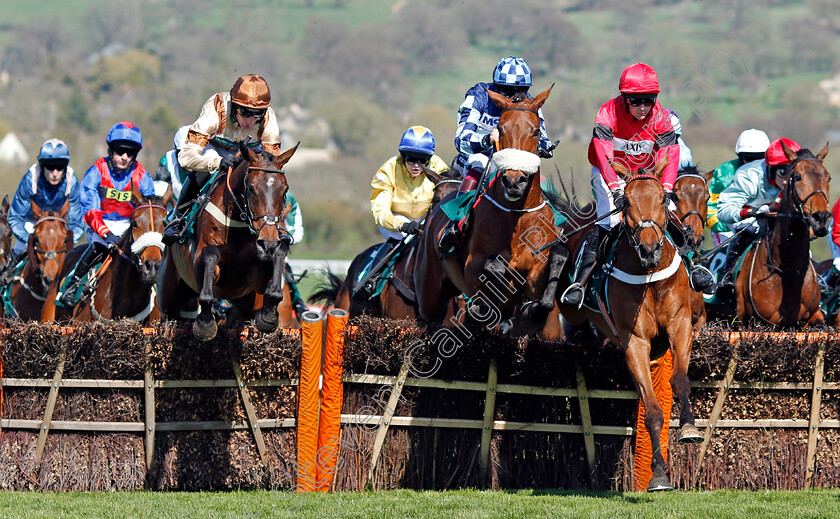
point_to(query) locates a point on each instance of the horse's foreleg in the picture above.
(637, 357)
(204, 327)
(267, 318)
(680, 337)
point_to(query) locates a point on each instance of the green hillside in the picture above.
(371, 68)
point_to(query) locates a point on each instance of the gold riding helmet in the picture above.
(251, 91)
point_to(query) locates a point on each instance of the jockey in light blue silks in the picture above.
(106, 200)
(49, 184)
(477, 135)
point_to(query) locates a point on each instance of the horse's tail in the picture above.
(327, 290)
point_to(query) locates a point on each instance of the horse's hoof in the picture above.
(690, 434)
(205, 332)
(659, 484)
(267, 321)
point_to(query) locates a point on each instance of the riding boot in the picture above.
(177, 228)
(453, 234)
(573, 296)
(831, 279)
(92, 254)
(736, 248)
(298, 305)
(366, 289)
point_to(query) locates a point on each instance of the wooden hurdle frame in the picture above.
(397, 383)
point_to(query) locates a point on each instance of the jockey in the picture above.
(833, 275)
(400, 195)
(226, 119)
(169, 170)
(477, 135)
(48, 183)
(751, 145)
(634, 129)
(106, 199)
(753, 191)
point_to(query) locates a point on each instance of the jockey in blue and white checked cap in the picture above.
(476, 135)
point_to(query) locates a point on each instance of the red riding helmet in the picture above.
(639, 79)
(776, 159)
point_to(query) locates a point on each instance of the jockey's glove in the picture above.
(748, 212)
(229, 162)
(110, 239)
(619, 201)
(747, 222)
(411, 227)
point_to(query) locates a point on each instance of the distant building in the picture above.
(12, 151)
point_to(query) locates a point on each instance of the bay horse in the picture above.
(777, 283)
(397, 299)
(692, 193)
(494, 268)
(647, 308)
(238, 250)
(5, 241)
(125, 285)
(50, 240)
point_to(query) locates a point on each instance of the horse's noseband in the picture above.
(644, 224)
(797, 203)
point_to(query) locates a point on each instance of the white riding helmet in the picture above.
(752, 141)
(181, 137)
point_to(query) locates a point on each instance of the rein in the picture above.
(645, 223)
(245, 213)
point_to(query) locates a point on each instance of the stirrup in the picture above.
(704, 280)
(574, 288)
(450, 240)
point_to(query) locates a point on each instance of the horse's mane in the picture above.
(558, 203)
(688, 170)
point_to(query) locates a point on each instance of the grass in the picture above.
(406, 503)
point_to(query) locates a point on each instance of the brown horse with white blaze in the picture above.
(124, 285)
(238, 250)
(648, 307)
(494, 268)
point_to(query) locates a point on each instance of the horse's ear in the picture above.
(246, 152)
(660, 166)
(823, 152)
(500, 100)
(283, 158)
(621, 170)
(541, 97)
(433, 177)
(37, 212)
(167, 196)
(136, 195)
(287, 210)
(708, 176)
(4, 208)
(65, 208)
(789, 153)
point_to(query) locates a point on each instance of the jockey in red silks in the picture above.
(106, 200)
(635, 130)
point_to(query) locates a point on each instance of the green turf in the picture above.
(405, 503)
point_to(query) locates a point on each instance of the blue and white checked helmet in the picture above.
(54, 149)
(513, 72)
(418, 139)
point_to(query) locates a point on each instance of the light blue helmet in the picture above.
(512, 71)
(418, 139)
(128, 133)
(54, 149)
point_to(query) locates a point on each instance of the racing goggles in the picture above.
(639, 100)
(54, 165)
(246, 111)
(416, 158)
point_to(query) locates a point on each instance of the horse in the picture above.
(238, 250)
(692, 199)
(397, 299)
(5, 241)
(50, 239)
(647, 308)
(124, 285)
(777, 283)
(494, 268)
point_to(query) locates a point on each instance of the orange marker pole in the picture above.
(332, 398)
(312, 332)
(660, 370)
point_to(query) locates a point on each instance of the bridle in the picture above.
(645, 223)
(523, 109)
(138, 246)
(792, 195)
(693, 212)
(246, 215)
